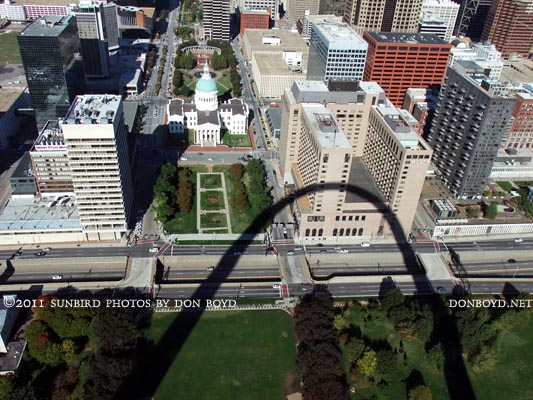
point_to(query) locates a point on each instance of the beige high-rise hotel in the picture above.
(348, 133)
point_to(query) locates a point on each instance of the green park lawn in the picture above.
(236, 140)
(211, 181)
(213, 220)
(9, 48)
(229, 355)
(212, 200)
(508, 379)
(507, 186)
(240, 219)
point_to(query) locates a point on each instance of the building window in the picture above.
(341, 233)
(360, 233)
(307, 232)
(334, 232)
(348, 232)
(320, 232)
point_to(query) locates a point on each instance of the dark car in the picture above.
(320, 245)
(323, 251)
(511, 260)
(40, 253)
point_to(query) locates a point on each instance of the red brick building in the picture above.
(509, 27)
(255, 19)
(399, 61)
(521, 134)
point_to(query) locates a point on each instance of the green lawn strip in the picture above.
(240, 219)
(236, 140)
(213, 220)
(510, 378)
(507, 186)
(228, 355)
(210, 181)
(212, 200)
(9, 48)
(186, 223)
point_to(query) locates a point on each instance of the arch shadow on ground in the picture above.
(147, 376)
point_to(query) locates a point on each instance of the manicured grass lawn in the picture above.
(211, 181)
(236, 140)
(212, 200)
(240, 219)
(507, 186)
(213, 220)
(511, 377)
(9, 48)
(229, 355)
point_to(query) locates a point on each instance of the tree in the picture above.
(215, 61)
(368, 363)
(236, 171)
(387, 361)
(187, 61)
(354, 349)
(392, 298)
(490, 211)
(420, 393)
(7, 385)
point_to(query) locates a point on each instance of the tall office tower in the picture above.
(111, 23)
(329, 134)
(97, 22)
(509, 27)
(332, 7)
(216, 19)
(383, 15)
(473, 114)
(48, 47)
(336, 52)
(296, 8)
(444, 11)
(399, 61)
(50, 161)
(96, 139)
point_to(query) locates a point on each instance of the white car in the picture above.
(365, 244)
(183, 158)
(290, 253)
(209, 159)
(153, 250)
(519, 240)
(297, 248)
(336, 248)
(57, 277)
(343, 251)
(276, 286)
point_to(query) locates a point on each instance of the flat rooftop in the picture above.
(288, 41)
(407, 38)
(93, 109)
(399, 124)
(273, 64)
(360, 176)
(342, 33)
(29, 214)
(325, 127)
(517, 71)
(50, 137)
(52, 26)
(8, 97)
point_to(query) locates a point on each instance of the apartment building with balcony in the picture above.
(473, 115)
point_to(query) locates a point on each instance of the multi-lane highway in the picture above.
(246, 265)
